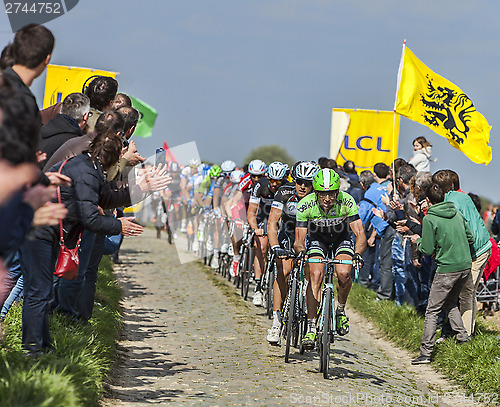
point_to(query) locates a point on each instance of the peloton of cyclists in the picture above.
(281, 234)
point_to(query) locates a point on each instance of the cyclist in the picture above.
(282, 238)
(258, 212)
(329, 213)
(256, 170)
(219, 185)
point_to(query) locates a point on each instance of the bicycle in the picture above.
(294, 316)
(246, 263)
(226, 251)
(325, 325)
(267, 283)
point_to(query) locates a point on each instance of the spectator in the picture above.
(101, 92)
(323, 162)
(121, 100)
(111, 120)
(66, 125)
(355, 188)
(82, 199)
(30, 53)
(374, 228)
(422, 151)
(448, 180)
(401, 250)
(446, 235)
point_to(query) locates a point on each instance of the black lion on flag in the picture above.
(445, 107)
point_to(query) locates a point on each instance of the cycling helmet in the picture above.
(194, 162)
(236, 176)
(228, 166)
(257, 167)
(215, 171)
(174, 166)
(203, 169)
(326, 180)
(277, 170)
(305, 170)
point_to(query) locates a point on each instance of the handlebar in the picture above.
(330, 261)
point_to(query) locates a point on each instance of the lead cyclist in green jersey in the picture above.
(325, 217)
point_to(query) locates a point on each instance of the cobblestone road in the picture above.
(190, 339)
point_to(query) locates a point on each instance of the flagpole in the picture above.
(400, 71)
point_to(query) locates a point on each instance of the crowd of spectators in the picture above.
(392, 203)
(64, 171)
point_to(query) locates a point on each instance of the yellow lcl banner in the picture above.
(366, 137)
(429, 99)
(63, 80)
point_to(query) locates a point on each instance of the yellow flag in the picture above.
(429, 99)
(366, 137)
(63, 80)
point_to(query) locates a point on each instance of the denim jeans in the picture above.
(15, 294)
(371, 267)
(68, 290)
(38, 259)
(398, 268)
(385, 290)
(85, 299)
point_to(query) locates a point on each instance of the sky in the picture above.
(235, 75)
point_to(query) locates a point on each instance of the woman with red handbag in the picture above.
(41, 250)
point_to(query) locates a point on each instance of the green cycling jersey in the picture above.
(336, 221)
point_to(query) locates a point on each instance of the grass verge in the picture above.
(474, 365)
(74, 374)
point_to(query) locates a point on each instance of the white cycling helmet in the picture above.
(277, 170)
(194, 162)
(305, 170)
(228, 166)
(236, 176)
(257, 167)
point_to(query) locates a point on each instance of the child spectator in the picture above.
(446, 235)
(421, 154)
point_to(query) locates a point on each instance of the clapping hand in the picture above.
(154, 179)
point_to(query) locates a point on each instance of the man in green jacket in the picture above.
(445, 235)
(449, 182)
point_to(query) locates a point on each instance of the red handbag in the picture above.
(68, 259)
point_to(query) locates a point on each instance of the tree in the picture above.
(268, 154)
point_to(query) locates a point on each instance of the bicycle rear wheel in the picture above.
(291, 319)
(325, 336)
(269, 292)
(241, 271)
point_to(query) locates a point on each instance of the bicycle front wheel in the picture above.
(325, 335)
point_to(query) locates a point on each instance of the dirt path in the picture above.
(190, 338)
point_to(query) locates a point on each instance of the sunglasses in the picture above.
(256, 176)
(303, 182)
(330, 194)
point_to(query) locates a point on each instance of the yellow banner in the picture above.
(429, 99)
(63, 80)
(368, 139)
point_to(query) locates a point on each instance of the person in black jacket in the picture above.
(64, 126)
(82, 199)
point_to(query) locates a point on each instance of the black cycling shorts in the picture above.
(318, 245)
(286, 240)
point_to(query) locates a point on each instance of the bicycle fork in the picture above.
(321, 312)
